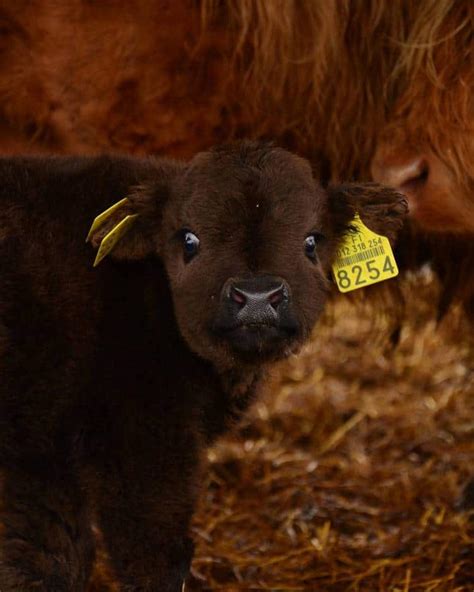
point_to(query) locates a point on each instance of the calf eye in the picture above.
(190, 245)
(311, 243)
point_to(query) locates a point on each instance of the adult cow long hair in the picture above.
(331, 75)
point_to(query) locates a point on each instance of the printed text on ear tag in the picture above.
(112, 238)
(363, 258)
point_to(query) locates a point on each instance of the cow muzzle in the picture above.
(255, 314)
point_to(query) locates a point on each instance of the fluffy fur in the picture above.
(115, 379)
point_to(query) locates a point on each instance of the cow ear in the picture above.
(382, 209)
(129, 229)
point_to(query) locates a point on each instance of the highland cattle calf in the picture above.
(114, 379)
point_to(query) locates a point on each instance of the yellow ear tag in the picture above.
(101, 218)
(112, 238)
(363, 258)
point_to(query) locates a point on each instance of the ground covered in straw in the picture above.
(348, 474)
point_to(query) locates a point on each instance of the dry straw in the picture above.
(348, 474)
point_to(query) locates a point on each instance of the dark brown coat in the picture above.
(115, 379)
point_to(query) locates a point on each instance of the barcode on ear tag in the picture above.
(112, 238)
(101, 218)
(363, 258)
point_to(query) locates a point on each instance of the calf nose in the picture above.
(258, 300)
(246, 297)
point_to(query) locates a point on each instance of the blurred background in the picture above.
(349, 474)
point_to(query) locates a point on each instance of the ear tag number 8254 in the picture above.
(363, 258)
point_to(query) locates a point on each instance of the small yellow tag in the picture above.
(112, 238)
(364, 258)
(101, 218)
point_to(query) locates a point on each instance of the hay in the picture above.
(348, 473)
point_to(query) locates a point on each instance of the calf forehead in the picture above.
(242, 195)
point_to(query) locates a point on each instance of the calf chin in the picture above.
(261, 341)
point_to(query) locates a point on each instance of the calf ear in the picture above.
(130, 228)
(382, 209)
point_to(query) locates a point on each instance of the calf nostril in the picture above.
(237, 296)
(256, 296)
(276, 296)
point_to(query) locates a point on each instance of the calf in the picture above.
(114, 379)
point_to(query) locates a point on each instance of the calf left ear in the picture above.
(382, 209)
(130, 228)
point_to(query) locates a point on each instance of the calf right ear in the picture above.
(382, 209)
(130, 228)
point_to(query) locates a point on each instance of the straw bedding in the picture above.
(348, 473)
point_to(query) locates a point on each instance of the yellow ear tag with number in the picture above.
(363, 258)
(112, 238)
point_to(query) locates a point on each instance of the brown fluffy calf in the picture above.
(115, 379)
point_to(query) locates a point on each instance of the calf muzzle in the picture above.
(255, 313)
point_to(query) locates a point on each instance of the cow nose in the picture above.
(258, 300)
(244, 297)
(407, 176)
(410, 176)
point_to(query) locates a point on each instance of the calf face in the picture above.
(247, 236)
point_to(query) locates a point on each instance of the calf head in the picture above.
(247, 237)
